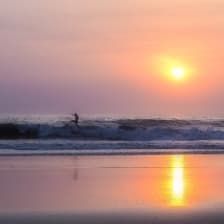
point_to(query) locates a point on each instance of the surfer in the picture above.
(76, 119)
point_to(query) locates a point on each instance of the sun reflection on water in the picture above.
(178, 186)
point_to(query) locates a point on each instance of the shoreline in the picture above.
(113, 152)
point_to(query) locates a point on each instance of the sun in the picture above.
(178, 73)
(173, 70)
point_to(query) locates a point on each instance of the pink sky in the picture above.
(106, 57)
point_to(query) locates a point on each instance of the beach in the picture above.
(112, 189)
(111, 112)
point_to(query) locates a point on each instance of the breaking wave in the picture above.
(111, 136)
(120, 129)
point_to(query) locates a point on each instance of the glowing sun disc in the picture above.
(177, 73)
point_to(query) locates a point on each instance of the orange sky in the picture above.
(94, 56)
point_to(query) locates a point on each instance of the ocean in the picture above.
(58, 134)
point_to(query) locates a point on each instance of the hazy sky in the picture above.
(110, 57)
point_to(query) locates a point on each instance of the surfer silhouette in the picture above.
(76, 119)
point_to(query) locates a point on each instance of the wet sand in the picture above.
(112, 189)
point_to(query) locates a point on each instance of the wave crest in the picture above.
(132, 130)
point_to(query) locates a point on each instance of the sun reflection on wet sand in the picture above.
(178, 183)
(112, 183)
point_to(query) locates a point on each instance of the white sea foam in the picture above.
(110, 135)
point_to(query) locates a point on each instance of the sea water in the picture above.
(58, 134)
